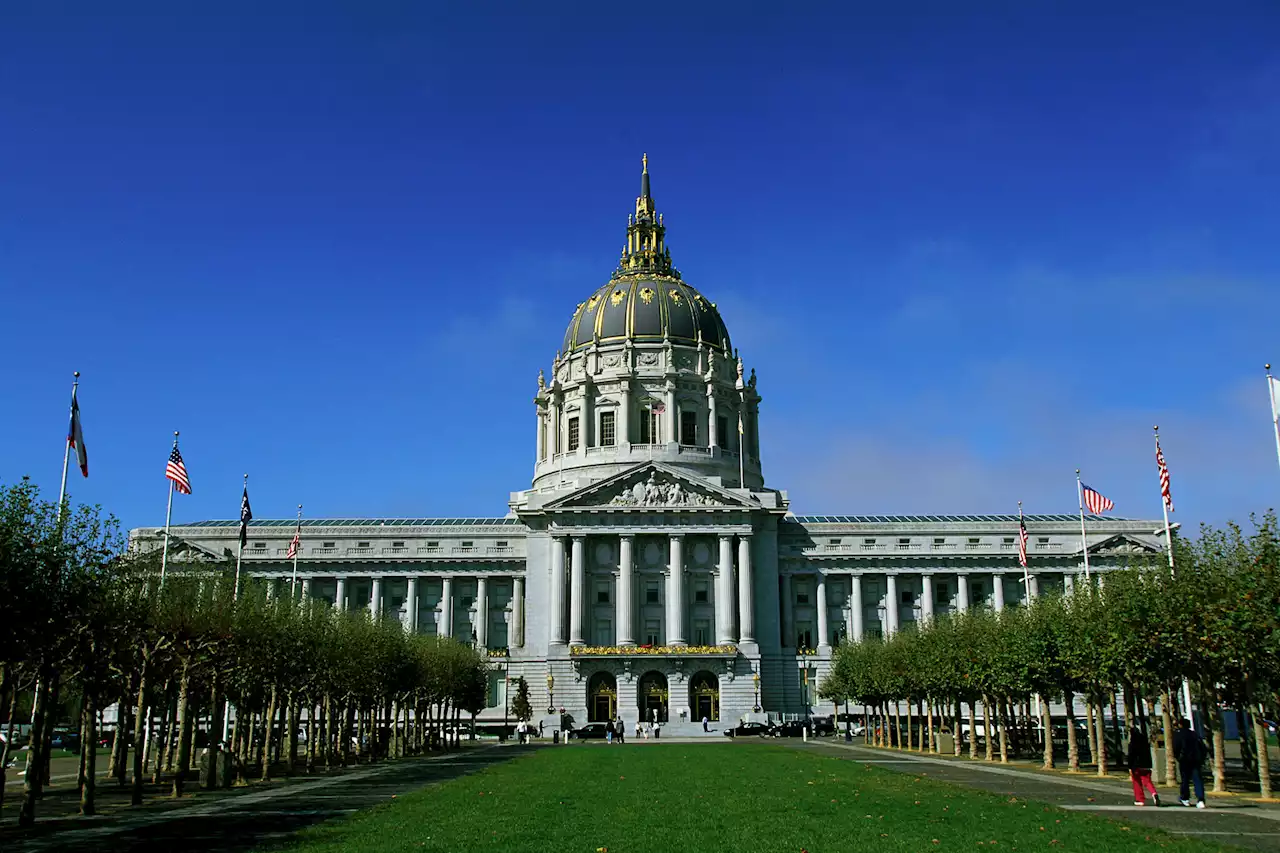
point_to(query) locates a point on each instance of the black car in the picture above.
(790, 728)
(748, 730)
(823, 726)
(69, 741)
(591, 731)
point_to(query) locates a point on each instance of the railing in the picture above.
(944, 546)
(1008, 546)
(324, 550)
(830, 547)
(695, 449)
(464, 549)
(495, 549)
(865, 547)
(429, 549)
(359, 550)
(972, 546)
(395, 550)
(1045, 546)
(908, 546)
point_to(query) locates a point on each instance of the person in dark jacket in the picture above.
(1139, 761)
(1190, 752)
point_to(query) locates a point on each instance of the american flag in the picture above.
(1022, 543)
(658, 407)
(1095, 501)
(76, 438)
(176, 471)
(1164, 478)
(295, 543)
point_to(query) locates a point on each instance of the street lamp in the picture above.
(551, 693)
(756, 678)
(506, 696)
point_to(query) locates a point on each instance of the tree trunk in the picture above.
(7, 748)
(1219, 750)
(1258, 712)
(50, 720)
(140, 726)
(312, 711)
(973, 732)
(957, 742)
(291, 737)
(1091, 731)
(119, 743)
(217, 720)
(184, 730)
(910, 723)
(89, 752)
(268, 724)
(896, 739)
(933, 741)
(1102, 739)
(1073, 746)
(35, 757)
(1168, 727)
(330, 745)
(1046, 722)
(1003, 722)
(1155, 733)
(986, 728)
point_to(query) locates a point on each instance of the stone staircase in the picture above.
(676, 728)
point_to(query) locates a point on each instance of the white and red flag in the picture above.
(1165, 493)
(1094, 501)
(75, 438)
(1022, 541)
(295, 543)
(176, 470)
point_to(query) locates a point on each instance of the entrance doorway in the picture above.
(652, 697)
(602, 698)
(704, 696)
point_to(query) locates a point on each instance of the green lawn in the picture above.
(736, 798)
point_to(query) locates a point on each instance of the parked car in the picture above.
(823, 726)
(69, 741)
(591, 731)
(749, 730)
(790, 728)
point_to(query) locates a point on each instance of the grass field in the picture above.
(735, 798)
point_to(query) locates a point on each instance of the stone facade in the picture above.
(649, 569)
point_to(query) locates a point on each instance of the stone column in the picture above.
(1033, 586)
(713, 437)
(340, 596)
(481, 626)
(746, 592)
(517, 614)
(855, 608)
(626, 583)
(725, 623)
(1068, 584)
(891, 605)
(306, 589)
(577, 580)
(553, 429)
(623, 436)
(789, 640)
(675, 591)
(926, 598)
(537, 439)
(669, 416)
(411, 605)
(446, 608)
(586, 434)
(997, 591)
(375, 599)
(824, 630)
(962, 593)
(557, 591)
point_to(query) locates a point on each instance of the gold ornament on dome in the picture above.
(591, 303)
(646, 295)
(702, 303)
(675, 296)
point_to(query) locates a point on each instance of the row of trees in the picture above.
(86, 623)
(1214, 620)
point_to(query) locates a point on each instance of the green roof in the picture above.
(361, 522)
(933, 519)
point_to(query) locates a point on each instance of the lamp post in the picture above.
(506, 696)
(755, 677)
(551, 693)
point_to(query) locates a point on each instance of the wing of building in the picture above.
(649, 571)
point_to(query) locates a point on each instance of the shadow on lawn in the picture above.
(269, 824)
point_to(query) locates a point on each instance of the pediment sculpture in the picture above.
(664, 492)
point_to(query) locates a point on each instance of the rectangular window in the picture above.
(651, 594)
(938, 540)
(573, 434)
(397, 544)
(435, 544)
(833, 541)
(329, 544)
(701, 632)
(501, 543)
(802, 593)
(1008, 540)
(722, 431)
(868, 541)
(943, 592)
(700, 591)
(804, 636)
(689, 428)
(652, 632)
(646, 426)
(468, 544)
(974, 540)
(466, 601)
(263, 544)
(978, 592)
(607, 436)
(904, 541)
(602, 594)
(1043, 540)
(907, 595)
(362, 544)
(604, 632)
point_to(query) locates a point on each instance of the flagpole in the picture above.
(1168, 539)
(1026, 571)
(240, 552)
(298, 547)
(168, 513)
(66, 449)
(1084, 543)
(235, 595)
(742, 437)
(1271, 391)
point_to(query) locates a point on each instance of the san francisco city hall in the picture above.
(648, 568)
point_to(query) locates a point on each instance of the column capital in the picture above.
(627, 537)
(678, 534)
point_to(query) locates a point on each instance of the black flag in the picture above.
(246, 516)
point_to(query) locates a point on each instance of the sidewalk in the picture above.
(1230, 818)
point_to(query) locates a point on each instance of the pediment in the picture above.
(182, 550)
(652, 484)
(1123, 545)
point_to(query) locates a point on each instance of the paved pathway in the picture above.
(1228, 820)
(246, 818)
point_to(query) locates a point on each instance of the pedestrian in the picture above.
(657, 730)
(1139, 760)
(704, 724)
(1190, 752)
(608, 732)
(620, 730)
(639, 728)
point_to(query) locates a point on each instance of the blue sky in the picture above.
(968, 248)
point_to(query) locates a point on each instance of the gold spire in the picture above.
(644, 160)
